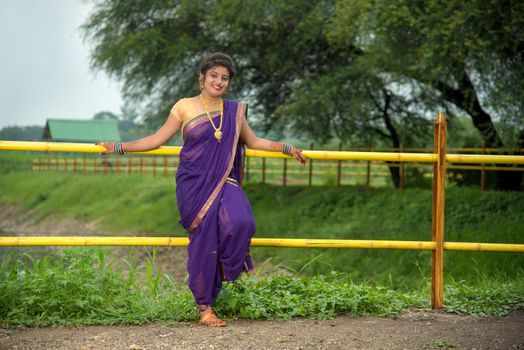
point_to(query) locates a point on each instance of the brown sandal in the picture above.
(210, 319)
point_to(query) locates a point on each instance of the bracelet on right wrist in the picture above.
(286, 148)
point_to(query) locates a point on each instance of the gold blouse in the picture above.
(187, 109)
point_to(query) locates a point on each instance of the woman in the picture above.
(213, 208)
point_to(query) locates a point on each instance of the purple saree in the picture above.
(213, 208)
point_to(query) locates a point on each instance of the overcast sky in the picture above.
(44, 64)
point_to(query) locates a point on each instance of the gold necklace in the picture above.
(218, 131)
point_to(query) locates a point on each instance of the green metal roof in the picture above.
(81, 130)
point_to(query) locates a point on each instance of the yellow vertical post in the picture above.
(439, 188)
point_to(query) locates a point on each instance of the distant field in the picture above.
(146, 204)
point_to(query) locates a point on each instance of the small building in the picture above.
(70, 130)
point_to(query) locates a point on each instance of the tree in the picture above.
(468, 52)
(22, 133)
(353, 69)
(105, 115)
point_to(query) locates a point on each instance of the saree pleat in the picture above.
(213, 209)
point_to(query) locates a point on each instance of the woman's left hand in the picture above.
(297, 153)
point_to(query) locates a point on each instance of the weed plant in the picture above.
(84, 286)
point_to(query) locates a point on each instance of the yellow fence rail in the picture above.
(439, 158)
(260, 242)
(274, 171)
(323, 155)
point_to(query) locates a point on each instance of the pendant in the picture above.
(218, 135)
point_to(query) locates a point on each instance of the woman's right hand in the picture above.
(109, 146)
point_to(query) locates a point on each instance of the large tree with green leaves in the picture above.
(469, 53)
(353, 69)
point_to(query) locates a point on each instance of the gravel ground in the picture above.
(420, 329)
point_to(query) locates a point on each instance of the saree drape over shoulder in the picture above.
(213, 208)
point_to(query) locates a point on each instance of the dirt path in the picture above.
(412, 330)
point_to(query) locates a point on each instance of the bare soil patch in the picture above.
(420, 329)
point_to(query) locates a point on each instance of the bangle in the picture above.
(286, 148)
(118, 150)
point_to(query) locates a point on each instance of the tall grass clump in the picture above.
(88, 286)
(82, 286)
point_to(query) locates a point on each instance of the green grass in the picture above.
(133, 205)
(85, 286)
(360, 213)
(91, 286)
(120, 203)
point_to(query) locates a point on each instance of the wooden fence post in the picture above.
(339, 166)
(483, 171)
(368, 170)
(165, 167)
(310, 179)
(437, 235)
(284, 180)
(401, 170)
(247, 169)
(154, 166)
(263, 170)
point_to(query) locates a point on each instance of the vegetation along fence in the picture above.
(280, 171)
(437, 245)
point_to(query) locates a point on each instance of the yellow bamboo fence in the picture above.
(276, 171)
(437, 245)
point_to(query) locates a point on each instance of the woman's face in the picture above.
(216, 81)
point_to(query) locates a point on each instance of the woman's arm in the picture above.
(170, 128)
(252, 141)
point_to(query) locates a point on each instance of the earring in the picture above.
(201, 85)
